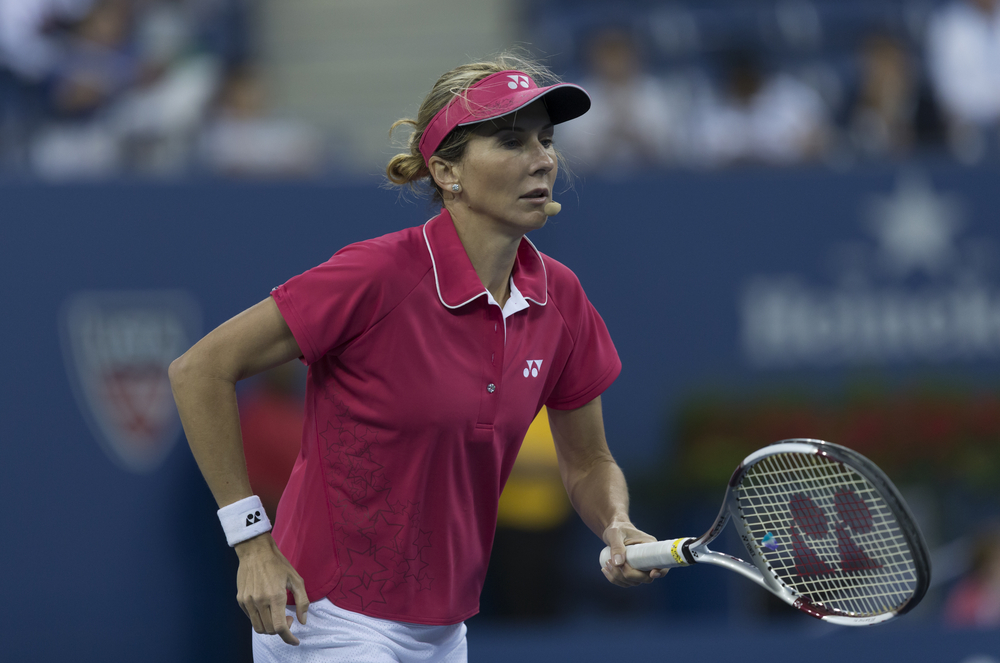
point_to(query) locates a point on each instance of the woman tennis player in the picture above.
(430, 350)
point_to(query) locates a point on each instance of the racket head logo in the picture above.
(808, 517)
(117, 346)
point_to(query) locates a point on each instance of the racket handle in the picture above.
(656, 555)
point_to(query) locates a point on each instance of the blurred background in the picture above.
(787, 212)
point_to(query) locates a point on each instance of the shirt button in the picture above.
(491, 387)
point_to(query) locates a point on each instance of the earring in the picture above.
(456, 187)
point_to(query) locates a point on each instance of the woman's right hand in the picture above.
(262, 581)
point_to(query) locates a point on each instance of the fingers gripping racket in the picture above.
(824, 528)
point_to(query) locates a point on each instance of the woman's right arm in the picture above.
(204, 380)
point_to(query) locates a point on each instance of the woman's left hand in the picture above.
(617, 536)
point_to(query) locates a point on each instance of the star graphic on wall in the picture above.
(915, 227)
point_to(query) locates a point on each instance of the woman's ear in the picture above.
(443, 173)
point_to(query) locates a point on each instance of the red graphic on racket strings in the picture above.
(853, 558)
(378, 539)
(807, 562)
(808, 517)
(853, 511)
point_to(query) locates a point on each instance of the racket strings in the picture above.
(827, 534)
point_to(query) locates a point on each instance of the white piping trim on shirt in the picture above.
(437, 283)
(545, 273)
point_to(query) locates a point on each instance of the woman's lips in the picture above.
(537, 195)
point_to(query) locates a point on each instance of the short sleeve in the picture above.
(332, 304)
(593, 362)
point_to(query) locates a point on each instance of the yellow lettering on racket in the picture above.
(676, 554)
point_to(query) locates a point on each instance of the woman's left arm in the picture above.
(597, 488)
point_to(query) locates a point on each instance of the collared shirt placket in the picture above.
(493, 351)
(495, 319)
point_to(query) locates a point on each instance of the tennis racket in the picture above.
(825, 531)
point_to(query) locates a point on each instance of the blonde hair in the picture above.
(409, 168)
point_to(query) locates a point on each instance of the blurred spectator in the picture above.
(92, 88)
(636, 119)
(975, 600)
(533, 514)
(759, 118)
(893, 112)
(27, 45)
(963, 52)
(157, 121)
(97, 61)
(243, 138)
(271, 416)
(95, 65)
(129, 93)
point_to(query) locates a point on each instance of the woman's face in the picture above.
(509, 169)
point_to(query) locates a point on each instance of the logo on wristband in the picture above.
(253, 518)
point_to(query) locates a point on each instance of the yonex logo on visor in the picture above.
(517, 78)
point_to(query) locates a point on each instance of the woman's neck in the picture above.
(491, 252)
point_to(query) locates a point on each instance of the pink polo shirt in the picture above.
(419, 394)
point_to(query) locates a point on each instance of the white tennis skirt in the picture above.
(332, 634)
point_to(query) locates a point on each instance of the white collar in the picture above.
(516, 302)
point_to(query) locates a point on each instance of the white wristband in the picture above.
(244, 520)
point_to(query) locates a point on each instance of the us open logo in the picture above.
(117, 347)
(534, 365)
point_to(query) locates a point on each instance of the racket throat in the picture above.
(810, 608)
(683, 552)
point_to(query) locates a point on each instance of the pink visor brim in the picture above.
(497, 95)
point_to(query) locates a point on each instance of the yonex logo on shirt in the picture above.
(517, 79)
(533, 366)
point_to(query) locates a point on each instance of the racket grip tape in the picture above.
(656, 555)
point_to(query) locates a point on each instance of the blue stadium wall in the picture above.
(106, 563)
